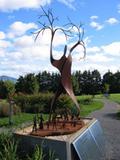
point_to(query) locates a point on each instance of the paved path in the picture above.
(111, 127)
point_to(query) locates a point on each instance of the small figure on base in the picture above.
(54, 122)
(41, 122)
(34, 124)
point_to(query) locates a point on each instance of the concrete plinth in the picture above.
(86, 143)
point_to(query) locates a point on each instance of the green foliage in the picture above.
(8, 148)
(10, 88)
(88, 82)
(7, 89)
(64, 102)
(91, 82)
(18, 120)
(42, 154)
(115, 97)
(76, 79)
(34, 103)
(3, 92)
(113, 80)
(85, 100)
(52, 155)
(41, 102)
(87, 109)
(106, 88)
(38, 154)
(27, 84)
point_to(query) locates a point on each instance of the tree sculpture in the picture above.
(65, 62)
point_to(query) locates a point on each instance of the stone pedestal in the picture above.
(88, 143)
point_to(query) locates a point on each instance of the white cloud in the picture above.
(94, 49)
(22, 55)
(2, 35)
(112, 49)
(68, 3)
(6, 5)
(94, 17)
(24, 41)
(4, 44)
(96, 25)
(11, 5)
(96, 58)
(112, 21)
(19, 28)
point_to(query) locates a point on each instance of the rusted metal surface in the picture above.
(64, 66)
(65, 62)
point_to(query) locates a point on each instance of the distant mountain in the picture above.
(6, 78)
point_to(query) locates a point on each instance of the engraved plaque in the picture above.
(88, 145)
(98, 136)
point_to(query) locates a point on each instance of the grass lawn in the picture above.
(94, 104)
(26, 118)
(18, 119)
(115, 97)
(87, 109)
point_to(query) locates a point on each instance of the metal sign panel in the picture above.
(98, 136)
(88, 144)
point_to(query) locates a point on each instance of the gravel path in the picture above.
(111, 127)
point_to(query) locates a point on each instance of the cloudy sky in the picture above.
(20, 54)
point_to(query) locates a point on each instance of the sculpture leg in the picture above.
(57, 94)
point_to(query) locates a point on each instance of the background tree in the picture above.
(44, 81)
(96, 83)
(27, 84)
(3, 91)
(108, 78)
(76, 79)
(116, 83)
(10, 90)
(20, 85)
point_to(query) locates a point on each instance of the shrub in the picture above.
(4, 109)
(85, 100)
(41, 102)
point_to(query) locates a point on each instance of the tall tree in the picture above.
(20, 85)
(27, 84)
(3, 91)
(108, 78)
(10, 89)
(31, 84)
(96, 83)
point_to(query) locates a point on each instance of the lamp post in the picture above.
(11, 102)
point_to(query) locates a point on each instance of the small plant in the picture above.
(38, 154)
(9, 148)
(51, 155)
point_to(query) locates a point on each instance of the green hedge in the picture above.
(41, 102)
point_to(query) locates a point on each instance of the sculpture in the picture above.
(65, 62)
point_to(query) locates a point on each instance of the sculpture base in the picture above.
(60, 128)
(86, 143)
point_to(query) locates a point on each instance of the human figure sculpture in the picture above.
(34, 123)
(54, 122)
(41, 122)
